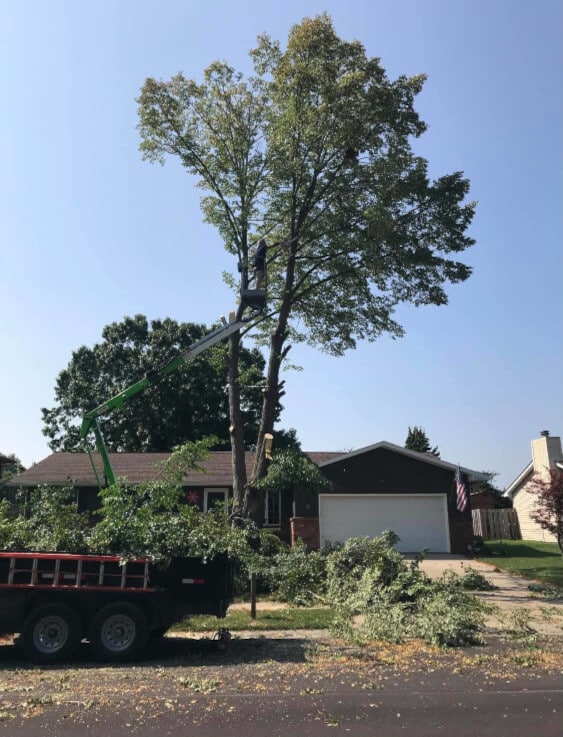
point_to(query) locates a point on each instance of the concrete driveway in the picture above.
(510, 593)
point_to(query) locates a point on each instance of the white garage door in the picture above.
(420, 520)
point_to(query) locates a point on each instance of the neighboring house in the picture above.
(380, 487)
(546, 454)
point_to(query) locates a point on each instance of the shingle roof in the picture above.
(522, 477)
(425, 457)
(60, 468)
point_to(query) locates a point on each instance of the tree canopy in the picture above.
(10, 465)
(313, 151)
(417, 439)
(188, 404)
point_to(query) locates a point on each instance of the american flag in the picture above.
(461, 491)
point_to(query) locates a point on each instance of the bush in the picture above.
(298, 576)
(472, 580)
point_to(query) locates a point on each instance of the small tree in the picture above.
(417, 440)
(293, 469)
(548, 512)
(10, 465)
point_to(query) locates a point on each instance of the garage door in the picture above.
(420, 520)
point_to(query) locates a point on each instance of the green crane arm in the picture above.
(90, 420)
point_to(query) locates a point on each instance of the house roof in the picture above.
(519, 480)
(61, 468)
(549, 450)
(425, 457)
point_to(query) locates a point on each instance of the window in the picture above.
(273, 507)
(212, 496)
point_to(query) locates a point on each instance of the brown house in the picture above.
(380, 487)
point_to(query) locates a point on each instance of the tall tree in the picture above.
(188, 404)
(417, 439)
(314, 152)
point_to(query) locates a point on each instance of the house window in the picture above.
(273, 507)
(212, 496)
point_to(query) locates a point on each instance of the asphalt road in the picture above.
(439, 711)
(305, 684)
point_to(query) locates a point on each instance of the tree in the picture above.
(10, 465)
(291, 469)
(314, 152)
(417, 440)
(188, 404)
(548, 511)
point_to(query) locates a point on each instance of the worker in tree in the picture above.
(259, 264)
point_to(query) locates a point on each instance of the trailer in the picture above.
(55, 601)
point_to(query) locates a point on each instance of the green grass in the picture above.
(538, 560)
(266, 619)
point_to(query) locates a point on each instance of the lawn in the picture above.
(538, 560)
(266, 619)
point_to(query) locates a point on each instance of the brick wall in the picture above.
(306, 529)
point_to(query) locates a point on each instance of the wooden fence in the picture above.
(496, 524)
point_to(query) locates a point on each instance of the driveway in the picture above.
(511, 592)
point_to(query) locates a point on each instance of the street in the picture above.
(306, 683)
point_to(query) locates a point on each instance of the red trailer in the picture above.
(56, 600)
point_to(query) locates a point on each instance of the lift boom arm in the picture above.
(90, 420)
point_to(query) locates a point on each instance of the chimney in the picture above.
(546, 451)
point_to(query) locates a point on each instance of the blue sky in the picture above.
(90, 233)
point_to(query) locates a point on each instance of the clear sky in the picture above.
(90, 233)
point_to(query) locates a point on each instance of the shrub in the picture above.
(472, 580)
(298, 576)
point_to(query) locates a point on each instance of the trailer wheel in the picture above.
(118, 632)
(51, 633)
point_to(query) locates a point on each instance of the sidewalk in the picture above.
(511, 591)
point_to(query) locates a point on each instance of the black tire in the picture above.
(51, 634)
(118, 632)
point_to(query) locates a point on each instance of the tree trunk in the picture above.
(255, 501)
(236, 428)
